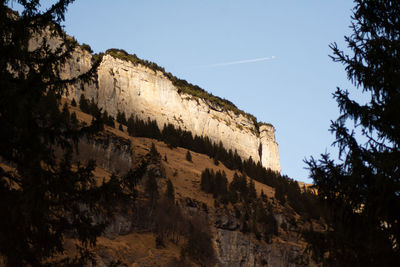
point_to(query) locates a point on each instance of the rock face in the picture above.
(143, 92)
(235, 249)
(110, 152)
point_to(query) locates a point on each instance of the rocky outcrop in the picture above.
(110, 152)
(147, 93)
(235, 249)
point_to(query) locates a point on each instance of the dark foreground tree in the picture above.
(44, 194)
(362, 190)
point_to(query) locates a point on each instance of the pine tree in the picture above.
(154, 152)
(362, 190)
(151, 188)
(170, 191)
(270, 227)
(220, 184)
(74, 120)
(216, 162)
(121, 117)
(131, 126)
(42, 196)
(252, 191)
(84, 104)
(199, 242)
(188, 156)
(94, 110)
(207, 181)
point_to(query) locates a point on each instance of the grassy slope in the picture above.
(139, 248)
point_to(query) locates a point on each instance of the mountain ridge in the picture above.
(130, 85)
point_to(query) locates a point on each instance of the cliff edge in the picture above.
(133, 86)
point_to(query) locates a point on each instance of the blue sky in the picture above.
(280, 72)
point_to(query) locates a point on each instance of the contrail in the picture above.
(241, 61)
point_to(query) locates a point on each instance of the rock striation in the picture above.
(137, 89)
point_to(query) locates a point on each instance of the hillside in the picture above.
(218, 215)
(133, 235)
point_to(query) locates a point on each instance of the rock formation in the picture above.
(238, 250)
(149, 93)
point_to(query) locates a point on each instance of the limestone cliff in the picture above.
(147, 93)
